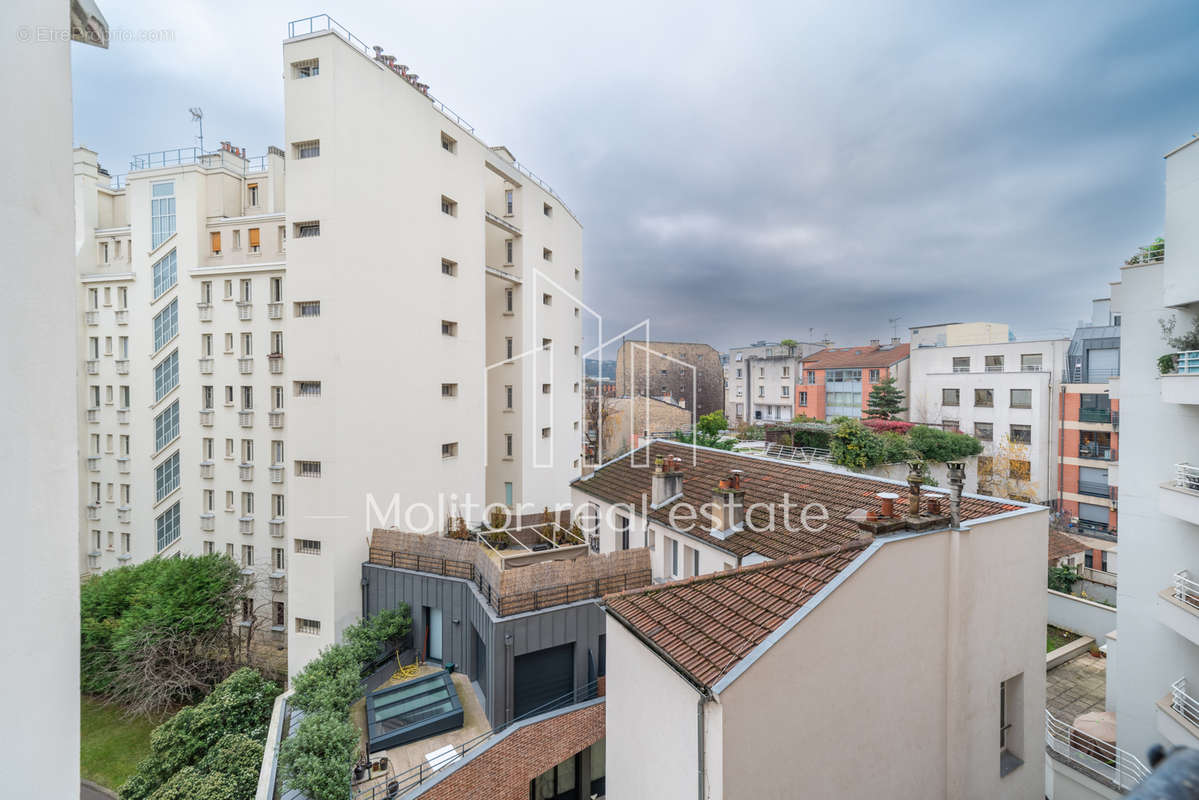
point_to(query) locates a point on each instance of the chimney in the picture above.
(888, 499)
(915, 479)
(666, 482)
(894, 340)
(957, 476)
(728, 514)
(874, 342)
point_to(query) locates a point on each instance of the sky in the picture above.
(750, 171)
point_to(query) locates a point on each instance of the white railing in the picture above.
(246, 472)
(274, 310)
(245, 524)
(1118, 766)
(245, 365)
(276, 419)
(245, 419)
(1186, 589)
(122, 316)
(804, 454)
(1182, 702)
(1186, 476)
(93, 415)
(275, 360)
(206, 418)
(245, 310)
(93, 463)
(206, 469)
(91, 317)
(277, 527)
(122, 365)
(93, 366)
(276, 473)
(93, 511)
(123, 465)
(208, 521)
(123, 416)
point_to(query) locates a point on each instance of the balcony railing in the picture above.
(275, 360)
(206, 418)
(208, 521)
(1093, 488)
(207, 469)
(123, 465)
(124, 514)
(245, 419)
(93, 366)
(123, 416)
(122, 365)
(277, 528)
(122, 316)
(93, 511)
(274, 310)
(1118, 766)
(1182, 702)
(93, 415)
(1094, 415)
(245, 310)
(245, 365)
(276, 473)
(93, 463)
(91, 317)
(246, 524)
(205, 310)
(276, 419)
(1096, 451)
(245, 472)
(1186, 477)
(1186, 589)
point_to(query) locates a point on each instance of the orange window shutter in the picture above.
(216, 241)
(254, 237)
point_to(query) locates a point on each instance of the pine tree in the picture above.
(886, 400)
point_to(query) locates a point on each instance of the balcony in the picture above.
(122, 365)
(1177, 607)
(124, 514)
(245, 472)
(245, 419)
(277, 528)
(1097, 451)
(207, 469)
(1178, 716)
(1182, 385)
(205, 366)
(276, 419)
(123, 465)
(245, 365)
(208, 521)
(501, 223)
(1095, 415)
(93, 366)
(276, 473)
(1118, 766)
(278, 581)
(274, 310)
(122, 316)
(246, 524)
(91, 317)
(276, 362)
(205, 310)
(1179, 497)
(93, 463)
(1094, 489)
(93, 415)
(123, 416)
(245, 311)
(206, 418)
(93, 511)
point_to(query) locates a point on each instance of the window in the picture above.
(811, 376)
(803, 398)
(1030, 362)
(165, 273)
(1021, 398)
(508, 396)
(166, 527)
(307, 149)
(246, 290)
(215, 239)
(961, 364)
(1011, 728)
(166, 477)
(508, 445)
(449, 390)
(310, 627)
(255, 238)
(993, 363)
(126, 541)
(449, 450)
(546, 388)
(508, 347)
(1021, 434)
(228, 290)
(508, 202)
(308, 469)
(124, 444)
(786, 390)
(166, 426)
(209, 548)
(247, 398)
(508, 300)
(276, 343)
(247, 504)
(449, 328)
(547, 299)
(547, 209)
(308, 68)
(229, 507)
(307, 230)
(449, 206)
(276, 289)
(984, 431)
(984, 398)
(166, 325)
(449, 267)
(547, 254)
(276, 452)
(166, 375)
(545, 433)
(308, 308)
(622, 532)
(308, 547)
(277, 558)
(951, 397)
(247, 560)
(278, 507)
(308, 388)
(546, 343)
(247, 451)
(874, 374)
(162, 213)
(674, 557)
(508, 253)
(448, 143)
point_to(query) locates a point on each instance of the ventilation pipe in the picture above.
(957, 477)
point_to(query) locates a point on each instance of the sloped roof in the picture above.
(708, 624)
(764, 480)
(1063, 544)
(870, 355)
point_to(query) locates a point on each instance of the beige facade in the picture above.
(760, 380)
(449, 327)
(627, 421)
(686, 373)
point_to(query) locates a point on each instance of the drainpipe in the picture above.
(699, 754)
(1061, 421)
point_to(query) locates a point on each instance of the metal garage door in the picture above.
(544, 679)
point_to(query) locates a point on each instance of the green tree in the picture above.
(317, 759)
(934, 444)
(886, 400)
(1062, 579)
(713, 424)
(854, 445)
(790, 344)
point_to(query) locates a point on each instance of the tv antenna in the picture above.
(891, 321)
(198, 117)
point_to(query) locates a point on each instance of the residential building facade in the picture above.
(181, 294)
(837, 381)
(760, 380)
(1004, 393)
(686, 373)
(488, 281)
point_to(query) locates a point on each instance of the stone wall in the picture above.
(670, 377)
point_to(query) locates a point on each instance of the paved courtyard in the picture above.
(1076, 687)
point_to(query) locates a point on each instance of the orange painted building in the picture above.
(836, 382)
(1089, 459)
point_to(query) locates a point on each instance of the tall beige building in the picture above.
(435, 320)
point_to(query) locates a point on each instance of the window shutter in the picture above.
(254, 240)
(216, 241)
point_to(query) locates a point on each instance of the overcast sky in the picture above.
(755, 170)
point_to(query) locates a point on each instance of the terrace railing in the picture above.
(1095, 415)
(1186, 588)
(1118, 766)
(1096, 450)
(1182, 702)
(803, 454)
(1186, 476)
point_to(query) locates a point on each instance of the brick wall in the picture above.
(503, 771)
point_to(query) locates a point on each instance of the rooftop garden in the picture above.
(862, 444)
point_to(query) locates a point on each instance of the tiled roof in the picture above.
(764, 481)
(710, 623)
(1063, 544)
(870, 355)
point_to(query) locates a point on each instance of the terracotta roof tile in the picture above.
(1063, 544)
(869, 355)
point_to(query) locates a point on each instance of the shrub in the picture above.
(386, 627)
(934, 444)
(239, 757)
(888, 425)
(713, 424)
(190, 783)
(317, 759)
(330, 682)
(1165, 364)
(704, 439)
(817, 435)
(895, 448)
(1062, 579)
(854, 445)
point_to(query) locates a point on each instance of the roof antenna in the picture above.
(891, 321)
(198, 117)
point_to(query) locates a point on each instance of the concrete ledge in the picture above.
(1068, 651)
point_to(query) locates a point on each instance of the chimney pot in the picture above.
(915, 479)
(957, 476)
(874, 342)
(888, 499)
(735, 477)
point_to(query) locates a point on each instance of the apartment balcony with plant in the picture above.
(1179, 497)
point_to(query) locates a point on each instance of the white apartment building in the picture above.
(434, 320)
(1153, 663)
(760, 380)
(38, 361)
(993, 390)
(182, 391)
